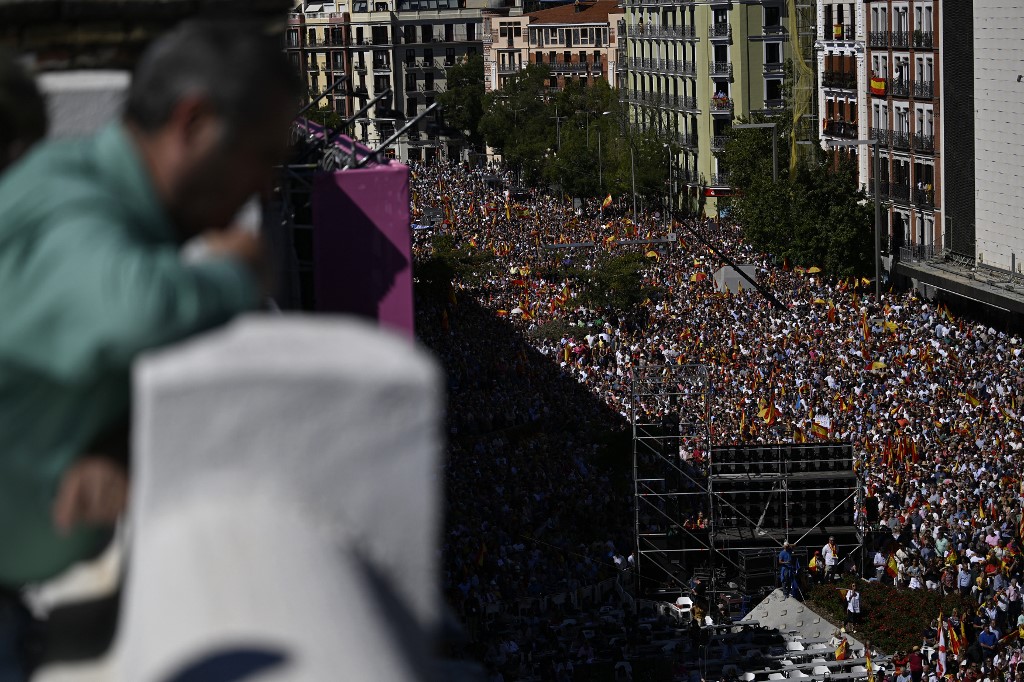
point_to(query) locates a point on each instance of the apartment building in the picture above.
(316, 42)
(903, 110)
(692, 68)
(575, 41)
(397, 49)
(842, 75)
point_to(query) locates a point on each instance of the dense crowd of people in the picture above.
(928, 399)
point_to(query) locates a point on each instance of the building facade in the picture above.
(842, 75)
(692, 68)
(903, 109)
(575, 41)
(316, 42)
(400, 49)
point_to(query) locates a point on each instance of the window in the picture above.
(772, 53)
(772, 16)
(293, 37)
(410, 57)
(773, 89)
(428, 81)
(410, 34)
(470, 32)
(449, 33)
(410, 107)
(428, 56)
(538, 57)
(410, 82)
(359, 36)
(427, 33)
(449, 56)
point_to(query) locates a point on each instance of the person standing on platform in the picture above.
(787, 570)
(831, 555)
(852, 608)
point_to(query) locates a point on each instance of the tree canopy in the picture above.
(816, 217)
(573, 138)
(462, 101)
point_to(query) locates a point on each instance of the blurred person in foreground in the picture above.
(91, 275)
(22, 111)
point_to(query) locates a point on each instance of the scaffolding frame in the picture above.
(671, 421)
(659, 394)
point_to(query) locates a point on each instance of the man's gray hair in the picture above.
(234, 65)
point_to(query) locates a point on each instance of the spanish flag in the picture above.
(819, 431)
(864, 328)
(868, 665)
(972, 399)
(607, 201)
(843, 650)
(892, 569)
(878, 86)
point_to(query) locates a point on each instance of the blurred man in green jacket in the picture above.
(90, 274)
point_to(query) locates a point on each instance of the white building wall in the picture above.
(999, 132)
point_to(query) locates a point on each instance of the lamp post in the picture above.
(775, 153)
(632, 175)
(878, 207)
(588, 112)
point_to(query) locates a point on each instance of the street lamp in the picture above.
(878, 208)
(775, 154)
(588, 112)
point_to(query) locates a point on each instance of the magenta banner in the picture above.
(362, 252)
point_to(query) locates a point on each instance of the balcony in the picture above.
(382, 67)
(924, 144)
(774, 68)
(924, 198)
(880, 134)
(568, 67)
(360, 67)
(720, 69)
(923, 40)
(900, 139)
(923, 89)
(718, 142)
(720, 31)
(673, 32)
(841, 129)
(899, 192)
(899, 87)
(840, 32)
(839, 80)
(684, 103)
(899, 39)
(774, 30)
(721, 105)
(878, 39)
(686, 140)
(509, 68)
(720, 180)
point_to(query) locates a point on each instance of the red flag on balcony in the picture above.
(878, 86)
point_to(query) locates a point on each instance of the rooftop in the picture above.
(582, 13)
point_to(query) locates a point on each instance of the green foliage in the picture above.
(553, 330)
(449, 263)
(615, 281)
(818, 216)
(891, 618)
(586, 154)
(463, 101)
(326, 117)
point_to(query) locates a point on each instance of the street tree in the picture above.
(463, 101)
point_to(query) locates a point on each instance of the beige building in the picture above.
(575, 41)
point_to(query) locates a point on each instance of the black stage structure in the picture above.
(722, 513)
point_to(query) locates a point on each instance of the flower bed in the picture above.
(891, 618)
